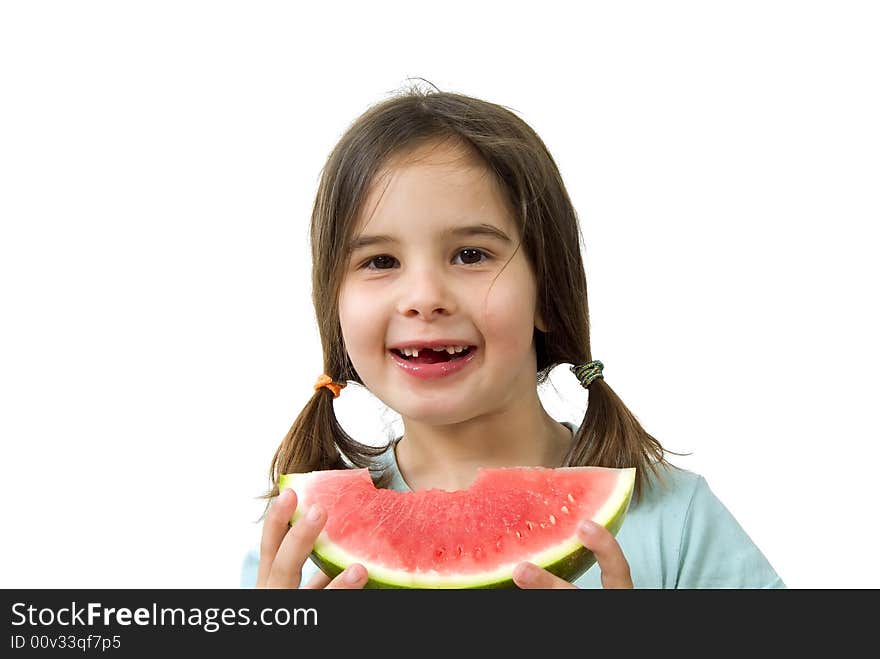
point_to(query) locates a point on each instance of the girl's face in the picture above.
(425, 283)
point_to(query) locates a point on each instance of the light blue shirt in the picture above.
(678, 535)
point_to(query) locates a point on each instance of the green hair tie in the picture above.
(586, 373)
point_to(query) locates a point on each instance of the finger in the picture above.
(352, 577)
(609, 555)
(286, 570)
(275, 527)
(529, 575)
(320, 580)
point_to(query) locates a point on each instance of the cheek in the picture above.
(509, 313)
(356, 317)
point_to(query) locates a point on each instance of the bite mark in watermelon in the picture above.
(461, 539)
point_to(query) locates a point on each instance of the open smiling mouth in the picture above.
(429, 356)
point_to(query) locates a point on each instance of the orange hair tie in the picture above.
(326, 381)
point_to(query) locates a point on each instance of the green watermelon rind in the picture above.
(568, 560)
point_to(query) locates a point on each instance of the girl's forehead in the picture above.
(432, 179)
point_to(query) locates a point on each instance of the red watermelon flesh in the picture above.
(461, 539)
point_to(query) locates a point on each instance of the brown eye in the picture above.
(471, 256)
(379, 260)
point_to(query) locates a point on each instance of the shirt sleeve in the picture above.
(716, 552)
(249, 568)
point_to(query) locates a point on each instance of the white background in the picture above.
(158, 162)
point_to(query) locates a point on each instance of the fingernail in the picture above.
(354, 574)
(525, 572)
(314, 513)
(589, 527)
(284, 497)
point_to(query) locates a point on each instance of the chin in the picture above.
(429, 413)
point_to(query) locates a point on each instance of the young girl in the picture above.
(448, 280)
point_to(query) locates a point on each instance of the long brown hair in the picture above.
(610, 434)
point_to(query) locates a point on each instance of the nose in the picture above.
(427, 293)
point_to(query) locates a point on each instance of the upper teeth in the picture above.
(414, 352)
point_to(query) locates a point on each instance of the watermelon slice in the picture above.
(462, 539)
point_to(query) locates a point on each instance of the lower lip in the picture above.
(432, 371)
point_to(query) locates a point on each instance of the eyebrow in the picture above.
(471, 230)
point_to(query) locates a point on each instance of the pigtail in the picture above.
(611, 436)
(317, 441)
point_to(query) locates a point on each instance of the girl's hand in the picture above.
(284, 549)
(609, 556)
